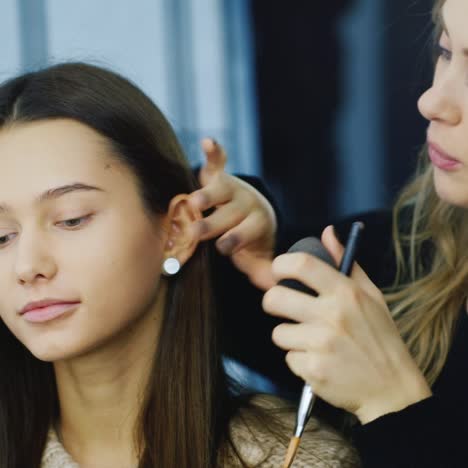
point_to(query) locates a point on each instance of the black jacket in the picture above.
(429, 434)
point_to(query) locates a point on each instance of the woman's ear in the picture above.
(181, 239)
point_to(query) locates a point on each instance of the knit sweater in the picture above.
(320, 446)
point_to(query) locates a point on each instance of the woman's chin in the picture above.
(451, 192)
(52, 352)
(50, 356)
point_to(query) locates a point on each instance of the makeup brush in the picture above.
(313, 246)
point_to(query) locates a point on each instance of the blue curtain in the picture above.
(192, 57)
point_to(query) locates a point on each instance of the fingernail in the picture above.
(226, 245)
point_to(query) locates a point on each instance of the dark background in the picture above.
(298, 100)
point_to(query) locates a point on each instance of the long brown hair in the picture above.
(184, 421)
(432, 263)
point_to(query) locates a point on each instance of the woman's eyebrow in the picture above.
(56, 192)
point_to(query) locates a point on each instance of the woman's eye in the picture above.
(75, 222)
(68, 223)
(4, 240)
(443, 53)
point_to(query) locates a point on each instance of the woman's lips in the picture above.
(44, 314)
(441, 159)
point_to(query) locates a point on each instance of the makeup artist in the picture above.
(397, 360)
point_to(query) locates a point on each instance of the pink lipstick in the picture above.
(442, 160)
(44, 314)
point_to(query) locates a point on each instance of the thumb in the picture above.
(332, 244)
(336, 249)
(215, 160)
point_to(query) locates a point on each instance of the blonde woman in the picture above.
(399, 361)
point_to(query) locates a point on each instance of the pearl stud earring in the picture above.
(171, 266)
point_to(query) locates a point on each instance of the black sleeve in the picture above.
(428, 434)
(423, 435)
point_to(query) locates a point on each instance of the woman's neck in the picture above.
(100, 396)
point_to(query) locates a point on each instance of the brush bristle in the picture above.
(292, 450)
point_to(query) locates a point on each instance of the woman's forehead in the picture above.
(63, 139)
(48, 155)
(453, 19)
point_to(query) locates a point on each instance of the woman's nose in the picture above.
(440, 103)
(34, 261)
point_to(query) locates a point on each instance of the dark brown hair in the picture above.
(184, 421)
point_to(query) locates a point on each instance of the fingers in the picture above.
(241, 217)
(284, 302)
(309, 270)
(336, 249)
(215, 159)
(217, 192)
(243, 234)
(297, 361)
(302, 337)
(340, 298)
(224, 218)
(320, 276)
(308, 368)
(257, 269)
(238, 207)
(332, 244)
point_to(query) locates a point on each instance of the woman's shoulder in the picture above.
(260, 433)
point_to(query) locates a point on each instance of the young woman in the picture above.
(105, 362)
(399, 362)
